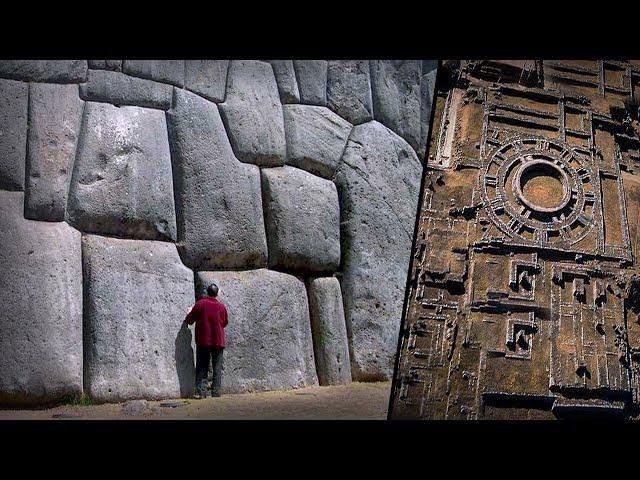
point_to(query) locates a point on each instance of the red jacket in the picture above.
(210, 317)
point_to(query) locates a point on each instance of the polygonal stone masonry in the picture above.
(302, 219)
(165, 71)
(349, 90)
(252, 113)
(55, 115)
(311, 76)
(120, 89)
(207, 78)
(218, 198)
(41, 315)
(122, 180)
(136, 297)
(378, 182)
(50, 71)
(13, 133)
(269, 343)
(330, 344)
(286, 80)
(395, 90)
(113, 65)
(316, 138)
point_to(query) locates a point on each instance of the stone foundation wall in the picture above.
(127, 186)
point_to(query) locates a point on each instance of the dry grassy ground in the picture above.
(366, 401)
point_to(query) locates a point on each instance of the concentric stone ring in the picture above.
(545, 173)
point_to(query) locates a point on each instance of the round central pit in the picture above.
(542, 186)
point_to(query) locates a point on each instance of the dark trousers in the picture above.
(205, 356)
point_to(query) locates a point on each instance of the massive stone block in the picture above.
(330, 345)
(207, 78)
(52, 71)
(427, 89)
(13, 133)
(252, 113)
(378, 183)
(55, 115)
(121, 89)
(286, 80)
(41, 315)
(395, 89)
(269, 344)
(316, 138)
(136, 295)
(166, 71)
(218, 198)
(349, 90)
(312, 81)
(302, 218)
(122, 180)
(113, 65)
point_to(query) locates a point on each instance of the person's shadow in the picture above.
(184, 362)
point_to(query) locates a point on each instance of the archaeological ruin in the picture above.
(523, 299)
(127, 185)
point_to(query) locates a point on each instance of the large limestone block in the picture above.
(41, 315)
(218, 198)
(395, 89)
(268, 339)
(52, 71)
(302, 218)
(55, 115)
(349, 90)
(13, 133)
(207, 78)
(427, 89)
(252, 113)
(120, 89)
(312, 81)
(316, 138)
(122, 180)
(165, 71)
(330, 345)
(378, 182)
(113, 65)
(136, 297)
(286, 80)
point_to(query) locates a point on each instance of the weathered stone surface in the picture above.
(13, 133)
(378, 183)
(312, 81)
(166, 71)
(55, 115)
(252, 113)
(349, 90)
(121, 89)
(114, 65)
(218, 198)
(395, 90)
(122, 180)
(52, 71)
(207, 78)
(316, 138)
(269, 344)
(330, 345)
(286, 80)
(427, 89)
(41, 316)
(136, 294)
(302, 219)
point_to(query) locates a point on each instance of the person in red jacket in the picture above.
(210, 317)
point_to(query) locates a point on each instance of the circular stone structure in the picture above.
(542, 186)
(539, 191)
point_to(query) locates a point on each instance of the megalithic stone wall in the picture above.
(127, 186)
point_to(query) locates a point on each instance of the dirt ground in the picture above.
(365, 401)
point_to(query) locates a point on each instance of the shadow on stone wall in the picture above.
(184, 361)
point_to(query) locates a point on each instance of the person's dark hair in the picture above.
(212, 290)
